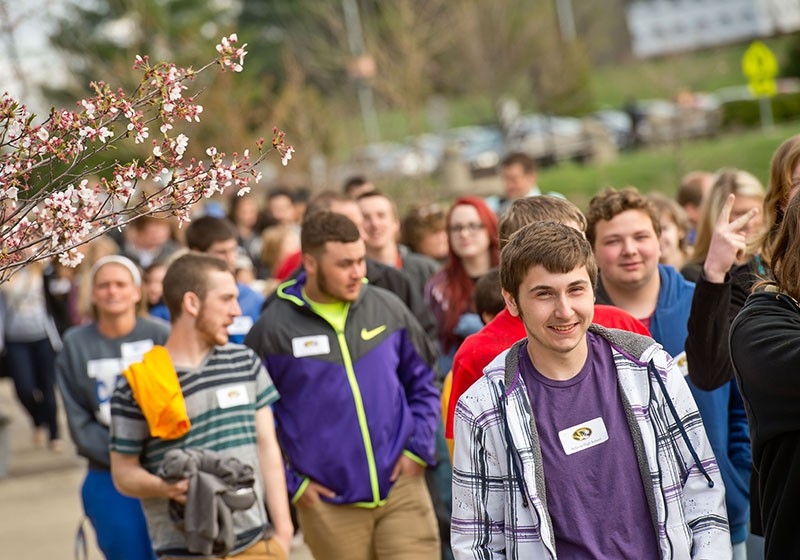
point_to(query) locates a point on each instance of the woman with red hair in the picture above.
(474, 249)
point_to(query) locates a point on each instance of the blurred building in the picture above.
(664, 26)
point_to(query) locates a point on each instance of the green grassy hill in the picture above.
(654, 168)
(705, 70)
(661, 168)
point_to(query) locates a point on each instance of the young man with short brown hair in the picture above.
(554, 436)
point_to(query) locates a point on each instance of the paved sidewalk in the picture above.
(40, 497)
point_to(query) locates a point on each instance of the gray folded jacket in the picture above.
(218, 486)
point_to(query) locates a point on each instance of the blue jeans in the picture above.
(118, 520)
(32, 367)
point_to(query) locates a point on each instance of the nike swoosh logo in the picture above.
(372, 333)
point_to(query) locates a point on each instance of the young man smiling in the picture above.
(576, 421)
(382, 229)
(358, 410)
(623, 229)
(480, 348)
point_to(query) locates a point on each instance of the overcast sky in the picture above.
(27, 24)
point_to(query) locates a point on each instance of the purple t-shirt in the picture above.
(595, 493)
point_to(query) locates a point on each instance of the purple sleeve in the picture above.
(422, 396)
(293, 482)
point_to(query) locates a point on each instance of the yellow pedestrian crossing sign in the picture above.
(761, 68)
(763, 88)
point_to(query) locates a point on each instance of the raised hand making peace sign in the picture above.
(728, 241)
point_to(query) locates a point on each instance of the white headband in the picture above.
(120, 260)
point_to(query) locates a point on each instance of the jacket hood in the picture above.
(292, 290)
(637, 347)
(673, 287)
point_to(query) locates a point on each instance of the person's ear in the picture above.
(191, 304)
(511, 303)
(310, 264)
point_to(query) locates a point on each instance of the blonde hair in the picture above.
(95, 250)
(726, 182)
(665, 206)
(273, 240)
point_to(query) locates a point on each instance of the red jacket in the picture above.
(500, 333)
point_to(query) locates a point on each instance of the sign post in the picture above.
(761, 68)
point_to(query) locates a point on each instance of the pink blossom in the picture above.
(180, 144)
(230, 56)
(71, 209)
(287, 155)
(90, 108)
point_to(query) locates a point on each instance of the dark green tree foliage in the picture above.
(790, 66)
(312, 33)
(99, 40)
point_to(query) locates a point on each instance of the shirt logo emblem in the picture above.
(372, 333)
(582, 433)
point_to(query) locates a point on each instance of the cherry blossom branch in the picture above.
(53, 199)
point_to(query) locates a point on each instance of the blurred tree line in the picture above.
(299, 73)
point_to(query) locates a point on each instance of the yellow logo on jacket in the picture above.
(372, 333)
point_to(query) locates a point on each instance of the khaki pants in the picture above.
(405, 528)
(262, 550)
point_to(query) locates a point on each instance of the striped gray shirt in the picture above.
(222, 396)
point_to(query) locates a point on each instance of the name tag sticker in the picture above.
(682, 363)
(133, 352)
(104, 368)
(311, 346)
(234, 395)
(241, 325)
(583, 436)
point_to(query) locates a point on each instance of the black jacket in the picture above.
(714, 307)
(418, 268)
(765, 351)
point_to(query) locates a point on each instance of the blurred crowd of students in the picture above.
(709, 245)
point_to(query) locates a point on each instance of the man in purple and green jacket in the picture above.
(358, 410)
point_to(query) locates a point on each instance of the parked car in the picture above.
(390, 159)
(429, 147)
(664, 121)
(619, 125)
(481, 147)
(549, 139)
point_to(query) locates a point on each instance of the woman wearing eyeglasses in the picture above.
(472, 235)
